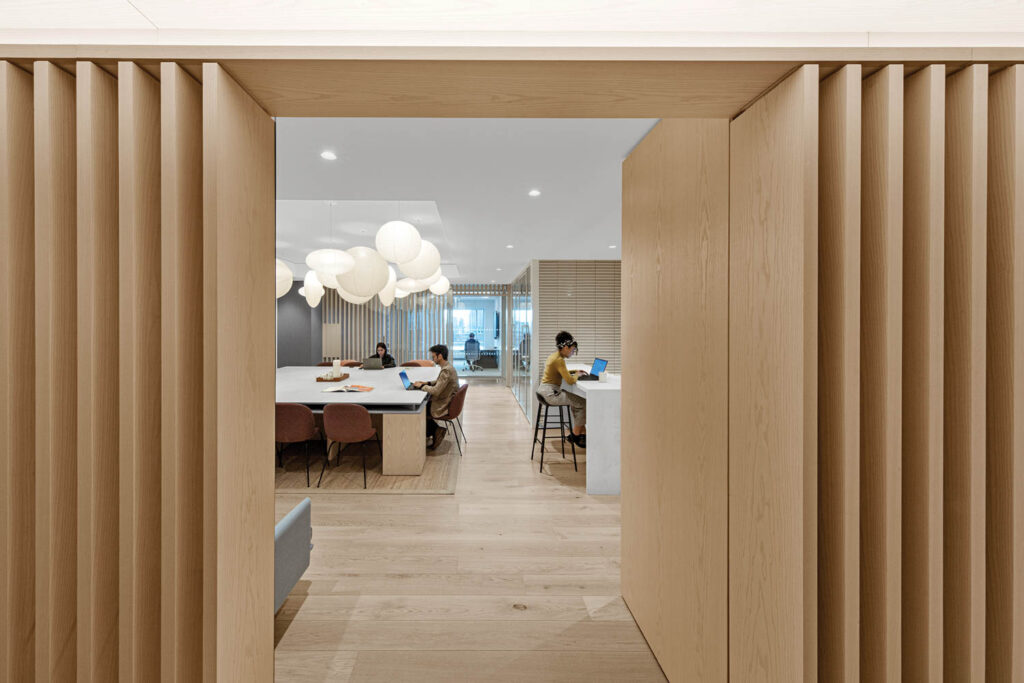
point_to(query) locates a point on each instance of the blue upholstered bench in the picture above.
(293, 538)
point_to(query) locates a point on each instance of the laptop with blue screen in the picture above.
(600, 364)
(406, 381)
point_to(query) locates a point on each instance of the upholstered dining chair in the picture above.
(454, 412)
(294, 423)
(418, 364)
(349, 423)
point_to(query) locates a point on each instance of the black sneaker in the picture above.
(581, 441)
(438, 437)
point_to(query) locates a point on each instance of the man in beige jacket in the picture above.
(441, 391)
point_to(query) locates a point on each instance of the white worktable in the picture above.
(397, 414)
(604, 420)
(299, 385)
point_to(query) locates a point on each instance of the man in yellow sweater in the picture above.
(555, 372)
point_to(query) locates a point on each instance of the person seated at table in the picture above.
(441, 391)
(556, 372)
(385, 358)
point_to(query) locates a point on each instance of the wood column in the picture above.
(773, 382)
(17, 377)
(839, 213)
(964, 379)
(56, 373)
(238, 357)
(141, 353)
(98, 363)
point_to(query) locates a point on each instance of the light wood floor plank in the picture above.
(513, 577)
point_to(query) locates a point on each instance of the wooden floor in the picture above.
(514, 577)
(440, 472)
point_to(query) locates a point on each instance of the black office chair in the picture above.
(472, 353)
(564, 419)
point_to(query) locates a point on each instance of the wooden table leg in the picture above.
(404, 442)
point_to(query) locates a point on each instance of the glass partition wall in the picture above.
(477, 334)
(521, 331)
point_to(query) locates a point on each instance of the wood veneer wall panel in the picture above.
(923, 183)
(17, 378)
(238, 385)
(881, 373)
(839, 376)
(56, 373)
(964, 378)
(181, 306)
(675, 482)
(1004, 542)
(97, 442)
(773, 378)
(140, 350)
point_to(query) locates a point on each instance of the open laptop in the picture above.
(600, 364)
(406, 381)
(372, 363)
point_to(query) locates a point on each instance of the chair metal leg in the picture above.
(536, 427)
(573, 444)
(327, 454)
(307, 464)
(561, 428)
(461, 428)
(456, 434)
(547, 411)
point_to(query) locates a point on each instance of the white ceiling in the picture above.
(463, 182)
(550, 22)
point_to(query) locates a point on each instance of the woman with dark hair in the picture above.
(382, 352)
(555, 372)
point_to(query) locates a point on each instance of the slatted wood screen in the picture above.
(876, 388)
(121, 557)
(583, 298)
(409, 327)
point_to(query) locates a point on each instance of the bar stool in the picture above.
(564, 419)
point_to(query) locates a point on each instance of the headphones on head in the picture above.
(568, 342)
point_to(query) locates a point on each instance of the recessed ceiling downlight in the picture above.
(328, 155)
(534, 192)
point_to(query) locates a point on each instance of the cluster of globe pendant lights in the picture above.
(360, 273)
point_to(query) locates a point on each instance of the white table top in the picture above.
(299, 385)
(613, 383)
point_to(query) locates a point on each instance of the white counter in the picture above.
(604, 421)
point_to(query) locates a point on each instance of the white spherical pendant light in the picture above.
(410, 285)
(352, 298)
(441, 286)
(424, 264)
(333, 261)
(284, 278)
(387, 295)
(314, 291)
(433, 278)
(328, 280)
(302, 291)
(398, 241)
(401, 293)
(368, 276)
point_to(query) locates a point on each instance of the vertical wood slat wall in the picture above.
(911, 499)
(133, 543)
